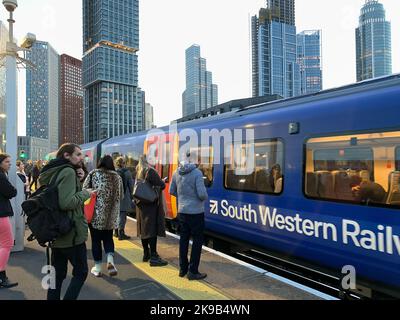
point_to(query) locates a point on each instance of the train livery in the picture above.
(325, 188)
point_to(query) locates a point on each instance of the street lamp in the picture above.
(12, 60)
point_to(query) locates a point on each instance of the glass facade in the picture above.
(42, 94)
(279, 72)
(113, 102)
(200, 93)
(3, 43)
(309, 57)
(373, 42)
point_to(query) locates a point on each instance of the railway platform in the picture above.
(228, 278)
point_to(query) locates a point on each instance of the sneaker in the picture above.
(157, 262)
(96, 273)
(112, 270)
(197, 276)
(7, 284)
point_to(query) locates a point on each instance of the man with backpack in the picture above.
(69, 247)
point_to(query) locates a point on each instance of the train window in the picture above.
(397, 158)
(204, 157)
(358, 168)
(265, 172)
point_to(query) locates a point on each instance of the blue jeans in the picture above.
(191, 225)
(99, 237)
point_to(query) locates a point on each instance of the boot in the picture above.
(156, 261)
(5, 282)
(122, 236)
(116, 233)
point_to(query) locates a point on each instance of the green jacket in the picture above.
(71, 200)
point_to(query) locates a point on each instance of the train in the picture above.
(324, 189)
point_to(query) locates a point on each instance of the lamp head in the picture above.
(10, 5)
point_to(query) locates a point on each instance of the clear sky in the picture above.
(220, 27)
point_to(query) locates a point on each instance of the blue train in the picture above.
(324, 191)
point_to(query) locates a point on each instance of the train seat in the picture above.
(342, 185)
(325, 185)
(312, 184)
(365, 176)
(262, 181)
(393, 197)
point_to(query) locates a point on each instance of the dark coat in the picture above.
(151, 217)
(127, 180)
(7, 192)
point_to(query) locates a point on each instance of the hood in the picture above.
(49, 171)
(54, 164)
(186, 168)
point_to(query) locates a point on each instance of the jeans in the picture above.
(122, 220)
(191, 225)
(6, 242)
(99, 237)
(77, 256)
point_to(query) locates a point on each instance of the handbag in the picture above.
(144, 192)
(89, 208)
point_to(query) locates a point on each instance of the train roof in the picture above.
(364, 86)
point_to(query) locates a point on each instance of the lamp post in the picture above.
(11, 60)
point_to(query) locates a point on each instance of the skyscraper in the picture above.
(309, 57)
(3, 116)
(71, 100)
(42, 94)
(274, 46)
(149, 116)
(373, 42)
(110, 68)
(200, 93)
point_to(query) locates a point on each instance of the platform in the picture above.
(228, 279)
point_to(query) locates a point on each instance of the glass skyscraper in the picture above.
(110, 68)
(309, 57)
(373, 42)
(42, 94)
(200, 93)
(274, 46)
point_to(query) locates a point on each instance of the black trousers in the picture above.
(77, 256)
(100, 237)
(191, 225)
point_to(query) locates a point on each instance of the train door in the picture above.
(162, 152)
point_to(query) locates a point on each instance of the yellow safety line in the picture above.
(168, 276)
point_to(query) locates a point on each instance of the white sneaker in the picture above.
(112, 270)
(96, 273)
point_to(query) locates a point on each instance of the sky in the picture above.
(220, 27)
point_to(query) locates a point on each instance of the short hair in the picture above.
(107, 163)
(120, 162)
(67, 148)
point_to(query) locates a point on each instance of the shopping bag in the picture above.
(89, 208)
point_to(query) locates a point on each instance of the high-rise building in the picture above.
(309, 57)
(110, 68)
(42, 94)
(200, 93)
(71, 100)
(149, 116)
(373, 42)
(282, 11)
(274, 46)
(3, 116)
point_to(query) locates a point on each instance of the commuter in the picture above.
(72, 246)
(28, 170)
(36, 173)
(367, 191)
(108, 184)
(127, 202)
(24, 178)
(276, 178)
(7, 192)
(150, 217)
(188, 187)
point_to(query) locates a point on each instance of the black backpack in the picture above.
(44, 217)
